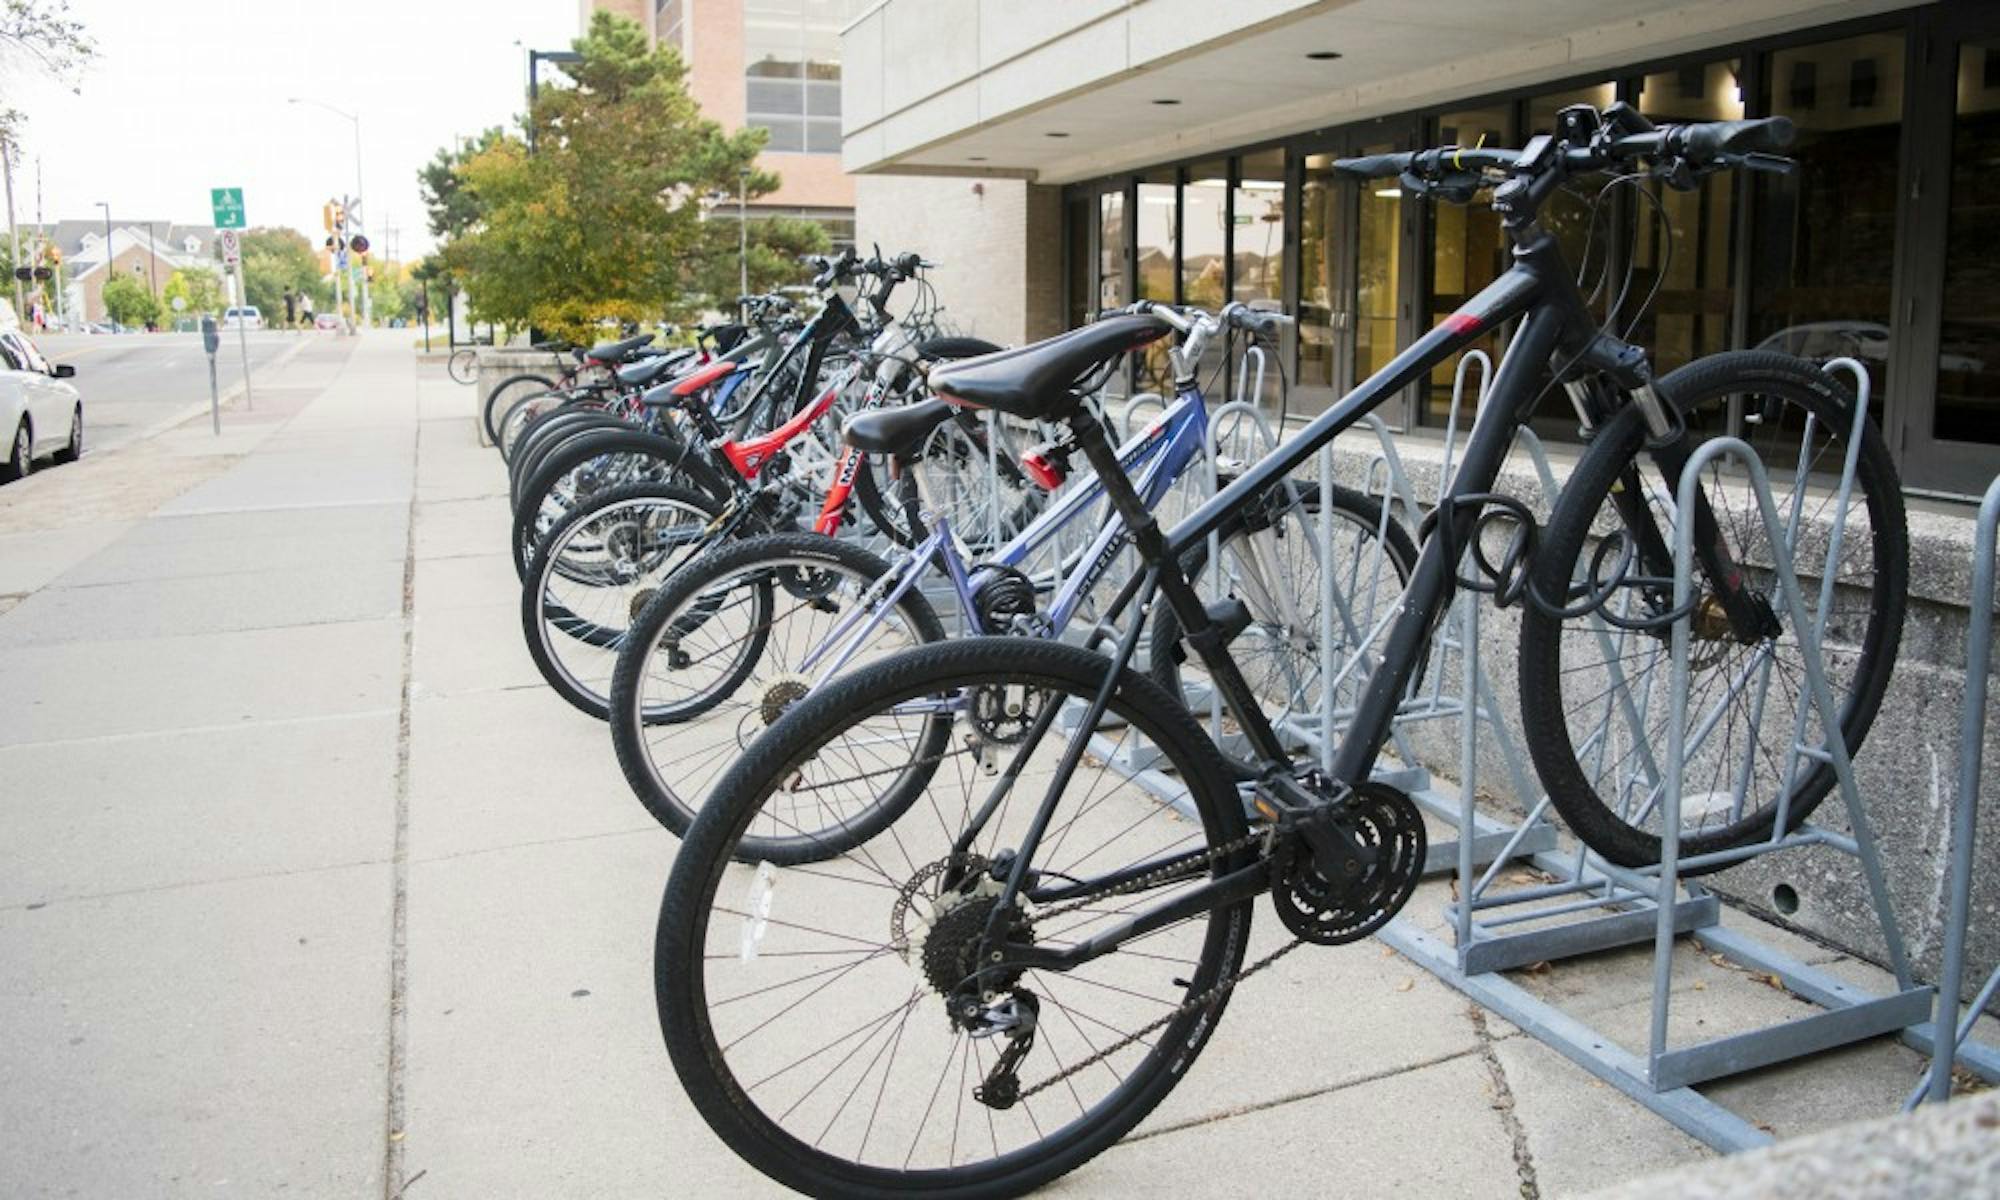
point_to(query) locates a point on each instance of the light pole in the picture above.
(367, 300)
(106, 206)
(742, 232)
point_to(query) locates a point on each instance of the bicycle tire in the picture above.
(1167, 650)
(684, 956)
(529, 456)
(463, 366)
(670, 455)
(544, 619)
(1615, 446)
(489, 411)
(632, 714)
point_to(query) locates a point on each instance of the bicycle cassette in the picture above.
(1389, 828)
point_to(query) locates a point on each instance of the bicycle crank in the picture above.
(1388, 827)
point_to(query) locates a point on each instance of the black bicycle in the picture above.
(1003, 978)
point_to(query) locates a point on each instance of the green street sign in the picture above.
(228, 206)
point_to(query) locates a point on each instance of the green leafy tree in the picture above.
(278, 261)
(199, 287)
(453, 206)
(606, 221)
(387, 291)
(130, 303)
(42, 35)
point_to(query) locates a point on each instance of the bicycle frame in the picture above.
(1554, 320)
(1164, 450)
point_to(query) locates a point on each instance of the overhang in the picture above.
(1060, 90)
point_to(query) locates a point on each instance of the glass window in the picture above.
(668, 18)
(1378, 270)
(1111, 251)
(791, 51)
(11, 358)
(1204, 234)
(1076, 254)
(1321, 228)
(1689, 259)
(1468, 249)
(1567, 215)
(1823, 247)
(1260, 227)
(1156, 235)
(1968, 369)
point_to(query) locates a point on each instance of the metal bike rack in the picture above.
(1936, 1083)
(1604, 906)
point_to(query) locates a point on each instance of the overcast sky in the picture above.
(186, 95)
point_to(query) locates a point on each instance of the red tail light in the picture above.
(1043, 470)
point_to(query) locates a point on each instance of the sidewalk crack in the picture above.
(1503, 1104)
(395, 1113)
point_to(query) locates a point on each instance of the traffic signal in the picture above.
(358, 243)
(326, 216)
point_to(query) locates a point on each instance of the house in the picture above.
(150, 251)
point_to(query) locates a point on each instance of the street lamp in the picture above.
(367, 299)
(742, 232)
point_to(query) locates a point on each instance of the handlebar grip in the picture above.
(1374, 166)
(1703, 143)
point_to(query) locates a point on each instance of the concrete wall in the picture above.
(997, 243)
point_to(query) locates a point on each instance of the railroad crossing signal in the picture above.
(228, 206)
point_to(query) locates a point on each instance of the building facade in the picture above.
(1185, 149)
(773, 64)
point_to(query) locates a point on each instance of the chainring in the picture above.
(1391, 828)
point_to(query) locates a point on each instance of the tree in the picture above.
(128, 302)
(606, 221)
(453, 207)
(277, 261)
(387, 290)
(43, 35)
(200, 287)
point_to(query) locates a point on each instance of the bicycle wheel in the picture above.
(1594, 695)
(972, 475)
(814, 1034)
(503, 396)
(1274, 562)
(520, 415)
(723, 650)
(463, 365)
(592, 463)
(594, 571)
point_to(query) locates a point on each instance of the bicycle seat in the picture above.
(939, 348)
(645, 370)
(1034, 381)
(894, 430)
(611, 351)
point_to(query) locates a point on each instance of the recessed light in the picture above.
(1166, 102)
(1055, 133)
(976, 158)
(1323, 55)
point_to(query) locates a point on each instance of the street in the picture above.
(131, 382)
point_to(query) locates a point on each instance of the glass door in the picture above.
(1354, 299)
(1950, 436)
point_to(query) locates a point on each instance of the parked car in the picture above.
(247, 316)
(105, 327)
(41, 413)
(326, 321)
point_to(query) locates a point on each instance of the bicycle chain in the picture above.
(1206, 998)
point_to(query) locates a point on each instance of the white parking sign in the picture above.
(232, 246)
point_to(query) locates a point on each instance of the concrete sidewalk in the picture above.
(311, 885)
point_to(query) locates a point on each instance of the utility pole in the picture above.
(62, 321)
(742, 231)
(13, 231)
(152, 257)
(364, 309)
(107, 262)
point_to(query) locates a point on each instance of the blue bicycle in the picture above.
(738, 636)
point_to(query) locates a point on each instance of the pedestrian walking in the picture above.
(306, 309)
(291, 311)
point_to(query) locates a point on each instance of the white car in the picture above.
(247, 316)
(41, 415)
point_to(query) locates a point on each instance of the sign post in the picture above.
(228, 206)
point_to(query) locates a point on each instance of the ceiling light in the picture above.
(1055, 133)
(976, 158)
(1389, 193)
(1323, 55)
(1166, 102)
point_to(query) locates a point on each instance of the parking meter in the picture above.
(211, 341)
(211, 336)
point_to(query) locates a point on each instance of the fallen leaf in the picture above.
(1406, 985)
(396, 1136)
(1541, 968)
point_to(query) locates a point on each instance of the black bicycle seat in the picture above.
(940, 348)
(646, 370)
(1034, 381)
(612, 351)
(894, 430)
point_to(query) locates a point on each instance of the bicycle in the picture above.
(1050, 964)
(733, 638)
(463, 365)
